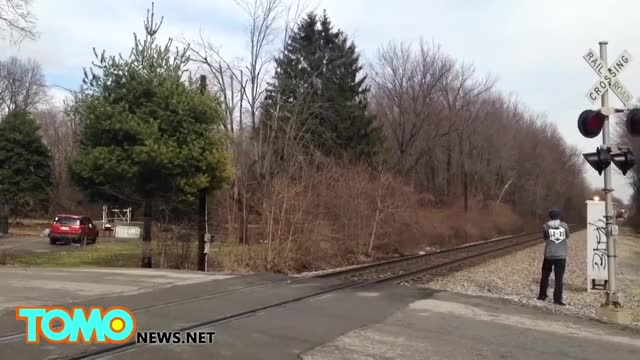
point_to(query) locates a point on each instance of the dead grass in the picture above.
(324, 217)
(28, 227)
(327, 219)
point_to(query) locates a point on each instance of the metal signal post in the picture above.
(613, 297)
(590, 123)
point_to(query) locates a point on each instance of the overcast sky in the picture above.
(533, 47)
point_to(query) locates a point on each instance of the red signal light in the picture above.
(633, 122)
(590, 123)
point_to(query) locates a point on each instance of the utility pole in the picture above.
(612, 298)
(202, 208)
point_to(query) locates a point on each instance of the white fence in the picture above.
(113, 216)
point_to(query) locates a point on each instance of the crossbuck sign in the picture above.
(609, 78)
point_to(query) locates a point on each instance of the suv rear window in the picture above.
(63, 220)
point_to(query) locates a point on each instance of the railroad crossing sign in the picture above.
(609, 78)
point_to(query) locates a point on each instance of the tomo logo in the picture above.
(58, 325)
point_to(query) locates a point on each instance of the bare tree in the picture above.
(386, 201)
(60, 134)
(241, 86)
(17, 19)
(263, 16)
(227, 79)
(22, 85)
(462, 95)
(455, 137)
(406, 85)
(239, 82)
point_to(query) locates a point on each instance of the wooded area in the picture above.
(334, 159)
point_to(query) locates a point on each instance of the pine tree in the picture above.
(146, 133)
(316, 91)
(25, 171)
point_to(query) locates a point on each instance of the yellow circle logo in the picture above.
(117, 324)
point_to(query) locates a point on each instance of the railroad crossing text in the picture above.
(608, 78)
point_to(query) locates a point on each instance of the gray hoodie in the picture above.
(555, 235)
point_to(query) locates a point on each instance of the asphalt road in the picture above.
(450, 326)
(378, 322)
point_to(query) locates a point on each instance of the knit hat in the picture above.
(554, 214)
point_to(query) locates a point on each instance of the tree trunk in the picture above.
(402, 161)
(375, 220)
(373, 233)
(238, 203)
(245, 224)
(242, 221)
(448, 172)
(504, 189)
(465, 169)
(466, 188)
(146, 236)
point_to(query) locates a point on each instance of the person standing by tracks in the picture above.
(556, 234)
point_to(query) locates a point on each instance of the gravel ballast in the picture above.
(516, 277)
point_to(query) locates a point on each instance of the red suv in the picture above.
(71, 228)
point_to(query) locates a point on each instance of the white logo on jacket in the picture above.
(557, 235)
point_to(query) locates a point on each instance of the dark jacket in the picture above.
(556, 234)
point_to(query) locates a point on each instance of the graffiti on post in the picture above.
(599, 258)
(596, 256)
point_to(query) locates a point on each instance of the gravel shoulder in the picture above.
(516, 277)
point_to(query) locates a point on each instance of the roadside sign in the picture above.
(609, 78)
(127, 232)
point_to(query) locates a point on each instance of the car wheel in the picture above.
(52, 241)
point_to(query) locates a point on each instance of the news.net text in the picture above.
(175, 337)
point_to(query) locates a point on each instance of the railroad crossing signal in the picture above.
(609, 78)
(624, 160)
(602, 158)
(599, 160)
(633, 122)
(591, 122)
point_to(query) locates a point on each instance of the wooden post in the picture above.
(202, 204)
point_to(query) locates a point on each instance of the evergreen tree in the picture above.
(316, 91)
(25, 171)
(146, 133)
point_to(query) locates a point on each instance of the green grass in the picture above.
(108, 254)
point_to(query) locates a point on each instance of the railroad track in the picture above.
(389, 271)
(397, 270)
